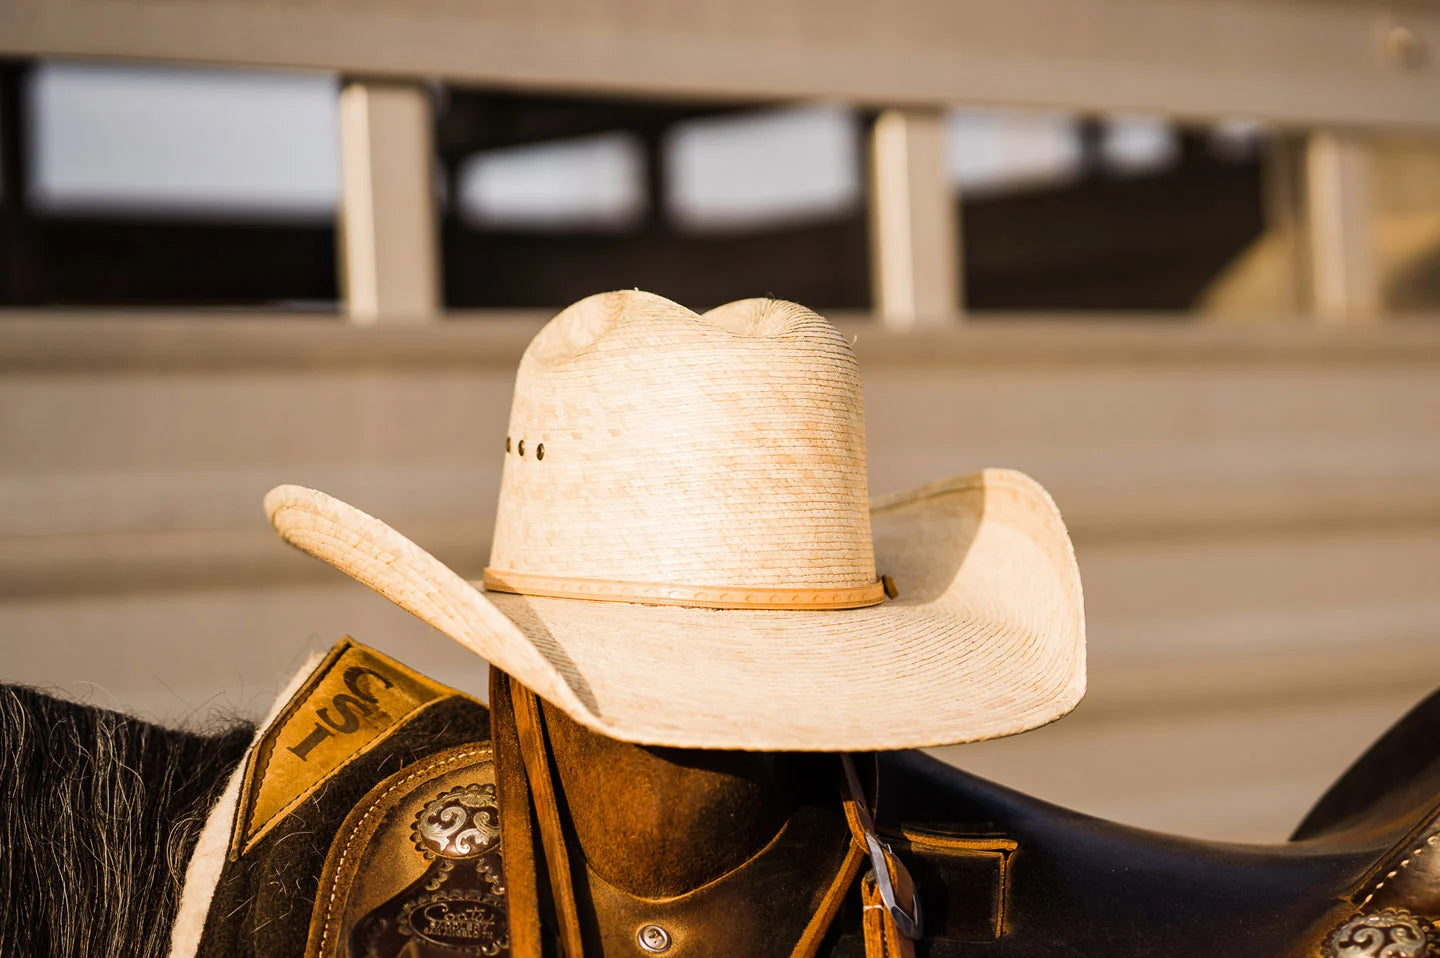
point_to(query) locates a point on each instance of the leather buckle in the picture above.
(883, 860)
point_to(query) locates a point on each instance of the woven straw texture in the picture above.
(728, 451)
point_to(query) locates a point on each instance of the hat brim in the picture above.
(986, 636)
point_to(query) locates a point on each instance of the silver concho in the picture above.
(1390, 933)
(460, 823)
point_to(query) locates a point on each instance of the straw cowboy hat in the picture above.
(685, 553)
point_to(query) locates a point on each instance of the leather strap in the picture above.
(693, 596)
(884, 935)
(535, 752)
(517, 824)
(809, 944)
(882, 938)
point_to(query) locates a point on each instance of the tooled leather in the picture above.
(1394, 911)
(261, 902)
(693, 596)
(1388, 798)
(417, 867)
(1410, 877)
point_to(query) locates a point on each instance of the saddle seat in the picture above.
(1366, 856)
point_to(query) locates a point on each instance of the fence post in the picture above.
(388, 237)
(914, 233)
(1343, 274)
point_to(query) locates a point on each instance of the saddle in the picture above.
(380, 813)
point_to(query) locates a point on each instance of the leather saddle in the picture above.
(443, 828)
(1360, 876)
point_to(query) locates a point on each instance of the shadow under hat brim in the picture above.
(985, 638)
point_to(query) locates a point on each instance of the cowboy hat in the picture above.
(685, 553)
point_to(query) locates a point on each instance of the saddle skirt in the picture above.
(382, 814)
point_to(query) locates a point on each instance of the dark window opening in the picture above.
(545, 199)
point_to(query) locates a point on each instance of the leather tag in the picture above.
(349, 704)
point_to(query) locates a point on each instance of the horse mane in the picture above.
(99, 813)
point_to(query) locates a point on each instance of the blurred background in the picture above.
(1178, 260)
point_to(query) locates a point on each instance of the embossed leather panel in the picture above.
(1394, 910)
(416, 869)
(1410, 878)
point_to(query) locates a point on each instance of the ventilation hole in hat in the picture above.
(521, 449)
(540, 451)
(507, 443)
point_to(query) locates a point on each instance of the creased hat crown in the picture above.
(649, 444)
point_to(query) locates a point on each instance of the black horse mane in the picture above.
(99, 812)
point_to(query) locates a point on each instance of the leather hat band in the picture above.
(699, 597)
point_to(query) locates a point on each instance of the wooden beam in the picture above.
(475, 120)
(914, 233)
(1290, 62)
(389, 255)
(1344, 282)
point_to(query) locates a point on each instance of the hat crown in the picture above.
(649, 444)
